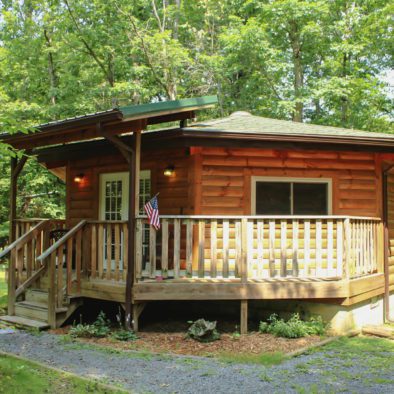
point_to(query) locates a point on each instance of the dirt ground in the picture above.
(172, 339)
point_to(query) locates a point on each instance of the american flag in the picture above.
(152, 210)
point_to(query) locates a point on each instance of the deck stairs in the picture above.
(32, 312)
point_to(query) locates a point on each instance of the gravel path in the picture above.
(322, 371)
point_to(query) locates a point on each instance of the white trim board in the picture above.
(255, 179)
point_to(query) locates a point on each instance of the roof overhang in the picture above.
(189, 137)
(116, 122)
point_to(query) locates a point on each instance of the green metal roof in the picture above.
(133, 111)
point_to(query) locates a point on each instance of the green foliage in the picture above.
(99, 329)
(203, 331)
(124, 335)
(294, 327)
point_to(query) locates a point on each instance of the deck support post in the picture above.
(16, 168)
(134, 170)
(244, 317)
(137, 310)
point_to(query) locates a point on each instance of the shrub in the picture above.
(99, 329)
(294, 327)
(124, 335)
(203, 331)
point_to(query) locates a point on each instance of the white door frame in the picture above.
(115, 176)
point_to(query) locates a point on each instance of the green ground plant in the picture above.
(294, 327)
(203, 331)
(99, 329)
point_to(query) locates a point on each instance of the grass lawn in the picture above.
(3, 288)
(18, 376)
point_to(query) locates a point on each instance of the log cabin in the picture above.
(251, 209)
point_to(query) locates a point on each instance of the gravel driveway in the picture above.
(328, 370)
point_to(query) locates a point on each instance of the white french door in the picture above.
(114, 206)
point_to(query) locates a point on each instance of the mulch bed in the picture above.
(177, 343)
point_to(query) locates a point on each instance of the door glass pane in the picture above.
(273, 198)
(310, 198)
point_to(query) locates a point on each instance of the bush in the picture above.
(203, 331)
(99, 329)
(124, 335)
(294, 327)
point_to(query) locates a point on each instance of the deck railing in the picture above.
(256, 247)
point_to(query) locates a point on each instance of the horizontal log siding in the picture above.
(226, 178)
(176, 197)
(390, 192)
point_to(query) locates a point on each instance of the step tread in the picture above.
(39, 305)
(22, 321)
(37, 291)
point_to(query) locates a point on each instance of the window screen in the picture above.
(291, 198)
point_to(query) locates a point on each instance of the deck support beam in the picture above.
(244, 317)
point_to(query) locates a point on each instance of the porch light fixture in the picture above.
(79, 178)
(169, 171)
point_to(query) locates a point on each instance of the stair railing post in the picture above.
(51, 261)
(11, 283)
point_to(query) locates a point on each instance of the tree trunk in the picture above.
(294, 37)
(51, 68)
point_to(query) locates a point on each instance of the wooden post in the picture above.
(52, 290)
(134, 166)
(244, 317)
(348, 249)
(244, 250)
(13, 193)
(11, 283)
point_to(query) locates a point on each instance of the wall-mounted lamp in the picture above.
(79, 178)
(169, 171)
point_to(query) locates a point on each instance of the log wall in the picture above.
(226, 175)
(390, 200)
(176, 197)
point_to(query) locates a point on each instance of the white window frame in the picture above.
(291, 180)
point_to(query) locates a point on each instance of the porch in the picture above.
(201, 258)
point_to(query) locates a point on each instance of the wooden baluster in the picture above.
(177, 247)
(272, 248)
(52, 291)
(340, 243)
(164, 248)
(20, 255)
(245, 255)
(250, 246)
(60, 258)
(330, 248)
(29, 258)
(348, 249)
(93, 252)
(69, 258)
(260, 248)
(109, 251)
(283, 248)
(78, 258)
(238, 249)
(201, 248)
(189, 248)
(213, 248)
(319, 265)
(295, 249)
(12, 283)
(307, 246)
(100, 246)
(226, 236)
(152, 251)
(126, 249)
(138, 248)
(117, 250)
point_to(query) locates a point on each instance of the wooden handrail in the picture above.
(61, 241)
(263, 217)
(21, 240)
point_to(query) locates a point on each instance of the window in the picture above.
(291, 196)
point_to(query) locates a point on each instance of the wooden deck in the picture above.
(334, 258)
